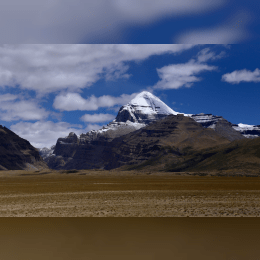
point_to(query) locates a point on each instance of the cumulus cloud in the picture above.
(245, 75)
(181, 75)
(45, 134)
(60, 21)
(52, 68)
(73, 101)
(97, 118)
(12, 109)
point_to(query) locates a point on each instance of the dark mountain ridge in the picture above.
(17, 153)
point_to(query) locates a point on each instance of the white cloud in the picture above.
(97, 118)
(181, 75)
(238, 76)
(8, 97)
(225, 33)
(206, 55)
(11, 109)
(73, 101)
(220, 35)
(51, 68)
(60, 21)
(45, 134)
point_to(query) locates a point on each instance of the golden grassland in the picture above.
(97, 193)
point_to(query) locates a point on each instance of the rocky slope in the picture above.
(17, 153)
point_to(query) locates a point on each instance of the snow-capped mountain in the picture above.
(145, 108)
(142, 110)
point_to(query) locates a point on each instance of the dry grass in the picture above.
(126, 194)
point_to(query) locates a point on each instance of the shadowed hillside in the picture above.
(17, 153)
(241, 156)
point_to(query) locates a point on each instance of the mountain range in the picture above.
(146, 134)
(124, 141)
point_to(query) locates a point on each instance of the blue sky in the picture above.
(47, 91)
(130, 22)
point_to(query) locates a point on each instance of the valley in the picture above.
(150, 161)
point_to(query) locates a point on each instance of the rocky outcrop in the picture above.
(77, 153)
(17, 153)
(46, 152)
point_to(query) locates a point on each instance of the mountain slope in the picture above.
(17, 153)
(172, 136)
(238, 156)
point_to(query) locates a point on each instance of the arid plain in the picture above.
(93, 193)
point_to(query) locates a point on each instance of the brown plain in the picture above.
(93, 193)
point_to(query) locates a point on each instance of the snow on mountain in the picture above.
(144, 109)
(207, 120)
(140, 111)
(147, 103)
(249, 131)
(46, 152)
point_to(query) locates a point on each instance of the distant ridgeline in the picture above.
(208, 120)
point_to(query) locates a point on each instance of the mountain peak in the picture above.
(147, 103)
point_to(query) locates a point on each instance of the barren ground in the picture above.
(126, 194)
